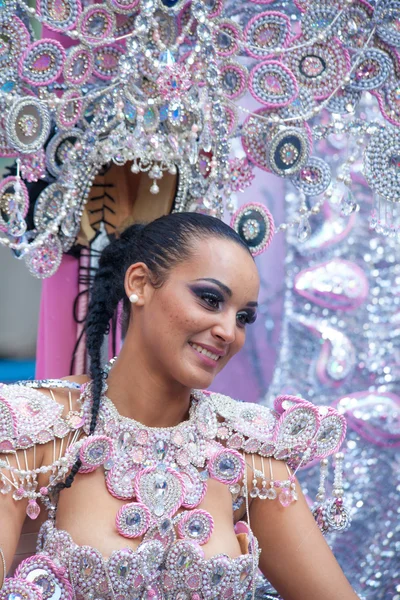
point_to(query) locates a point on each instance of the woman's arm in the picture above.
(295, 557)
(12, 513)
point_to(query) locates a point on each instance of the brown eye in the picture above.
(246, 318)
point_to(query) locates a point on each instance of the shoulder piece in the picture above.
(28, 417)
(295, 430)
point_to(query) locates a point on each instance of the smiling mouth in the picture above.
(204, 351)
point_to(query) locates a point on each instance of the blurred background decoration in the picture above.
(122, 111)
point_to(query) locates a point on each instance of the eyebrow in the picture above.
(225, 288)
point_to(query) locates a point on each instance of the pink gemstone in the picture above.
(6, 445)
(277, 484)
(309, 175)
(235, 441)
(44, 491)
(273, 84)
(285, 497)
(265, 37)
(20, 492)
(42, 63)
(33, 509)
(367, 71)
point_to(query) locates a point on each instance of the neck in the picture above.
(144, 395)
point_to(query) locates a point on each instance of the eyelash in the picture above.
(206, 296)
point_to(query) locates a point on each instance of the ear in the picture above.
(138, 281)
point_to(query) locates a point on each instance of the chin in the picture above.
(199, 380)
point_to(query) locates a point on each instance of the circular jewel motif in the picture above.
(233, 79)
(44, 261)
(28, 125)
(273, 84)
(59, 15)
(132, 520)
(255, 225)
(314, 178)
(265, 32)
(106, 61)
(288, 152)
(227, 466)
(371, 71)
(42, 62)
(95, 450)
(196, 525)
(389, 100)
(320, 67)
(78, 65)
(96, 24)
(226, 38)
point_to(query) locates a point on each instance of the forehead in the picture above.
(224, 260)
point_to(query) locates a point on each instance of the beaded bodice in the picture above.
(161, 475)
(163, 567)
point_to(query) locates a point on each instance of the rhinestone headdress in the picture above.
(156, 83)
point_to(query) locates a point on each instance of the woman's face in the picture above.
(193, 324)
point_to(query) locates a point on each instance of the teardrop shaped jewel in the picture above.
(348, 204)
(304, 229)
(33, 509)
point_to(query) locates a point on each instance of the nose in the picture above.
(225, 329)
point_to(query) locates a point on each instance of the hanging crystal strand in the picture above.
(337, 514)
(319, 509)
(373, 218)
(254, 490)
(378, 227)
(16, 224)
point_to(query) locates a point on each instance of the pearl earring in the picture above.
(133, 298)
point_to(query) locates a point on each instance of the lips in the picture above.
(207, 352)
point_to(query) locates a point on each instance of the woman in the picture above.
(163, 525)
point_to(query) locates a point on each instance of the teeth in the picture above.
(204, 351)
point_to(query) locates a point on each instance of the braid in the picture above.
(106, 292)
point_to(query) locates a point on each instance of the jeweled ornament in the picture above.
(28, 125)
(42, 62)
(255, 225)
(133, 520)
(265, 32)
(273, 84)
(288, 152)
(45, 260)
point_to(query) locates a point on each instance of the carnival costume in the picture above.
(161, 474)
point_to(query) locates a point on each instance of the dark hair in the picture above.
(161, 244)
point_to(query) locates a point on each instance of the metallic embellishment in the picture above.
(133, 520)
(272, 84)
(371, 70)
(314, 178)
(255, 225)
(288, 152)
(42, 62)
(28, 125)
(266, 31)
(45, 260)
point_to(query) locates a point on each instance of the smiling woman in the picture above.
(177, 490)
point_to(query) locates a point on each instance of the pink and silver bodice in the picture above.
(161, 475)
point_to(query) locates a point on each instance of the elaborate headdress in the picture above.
(154, 84)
